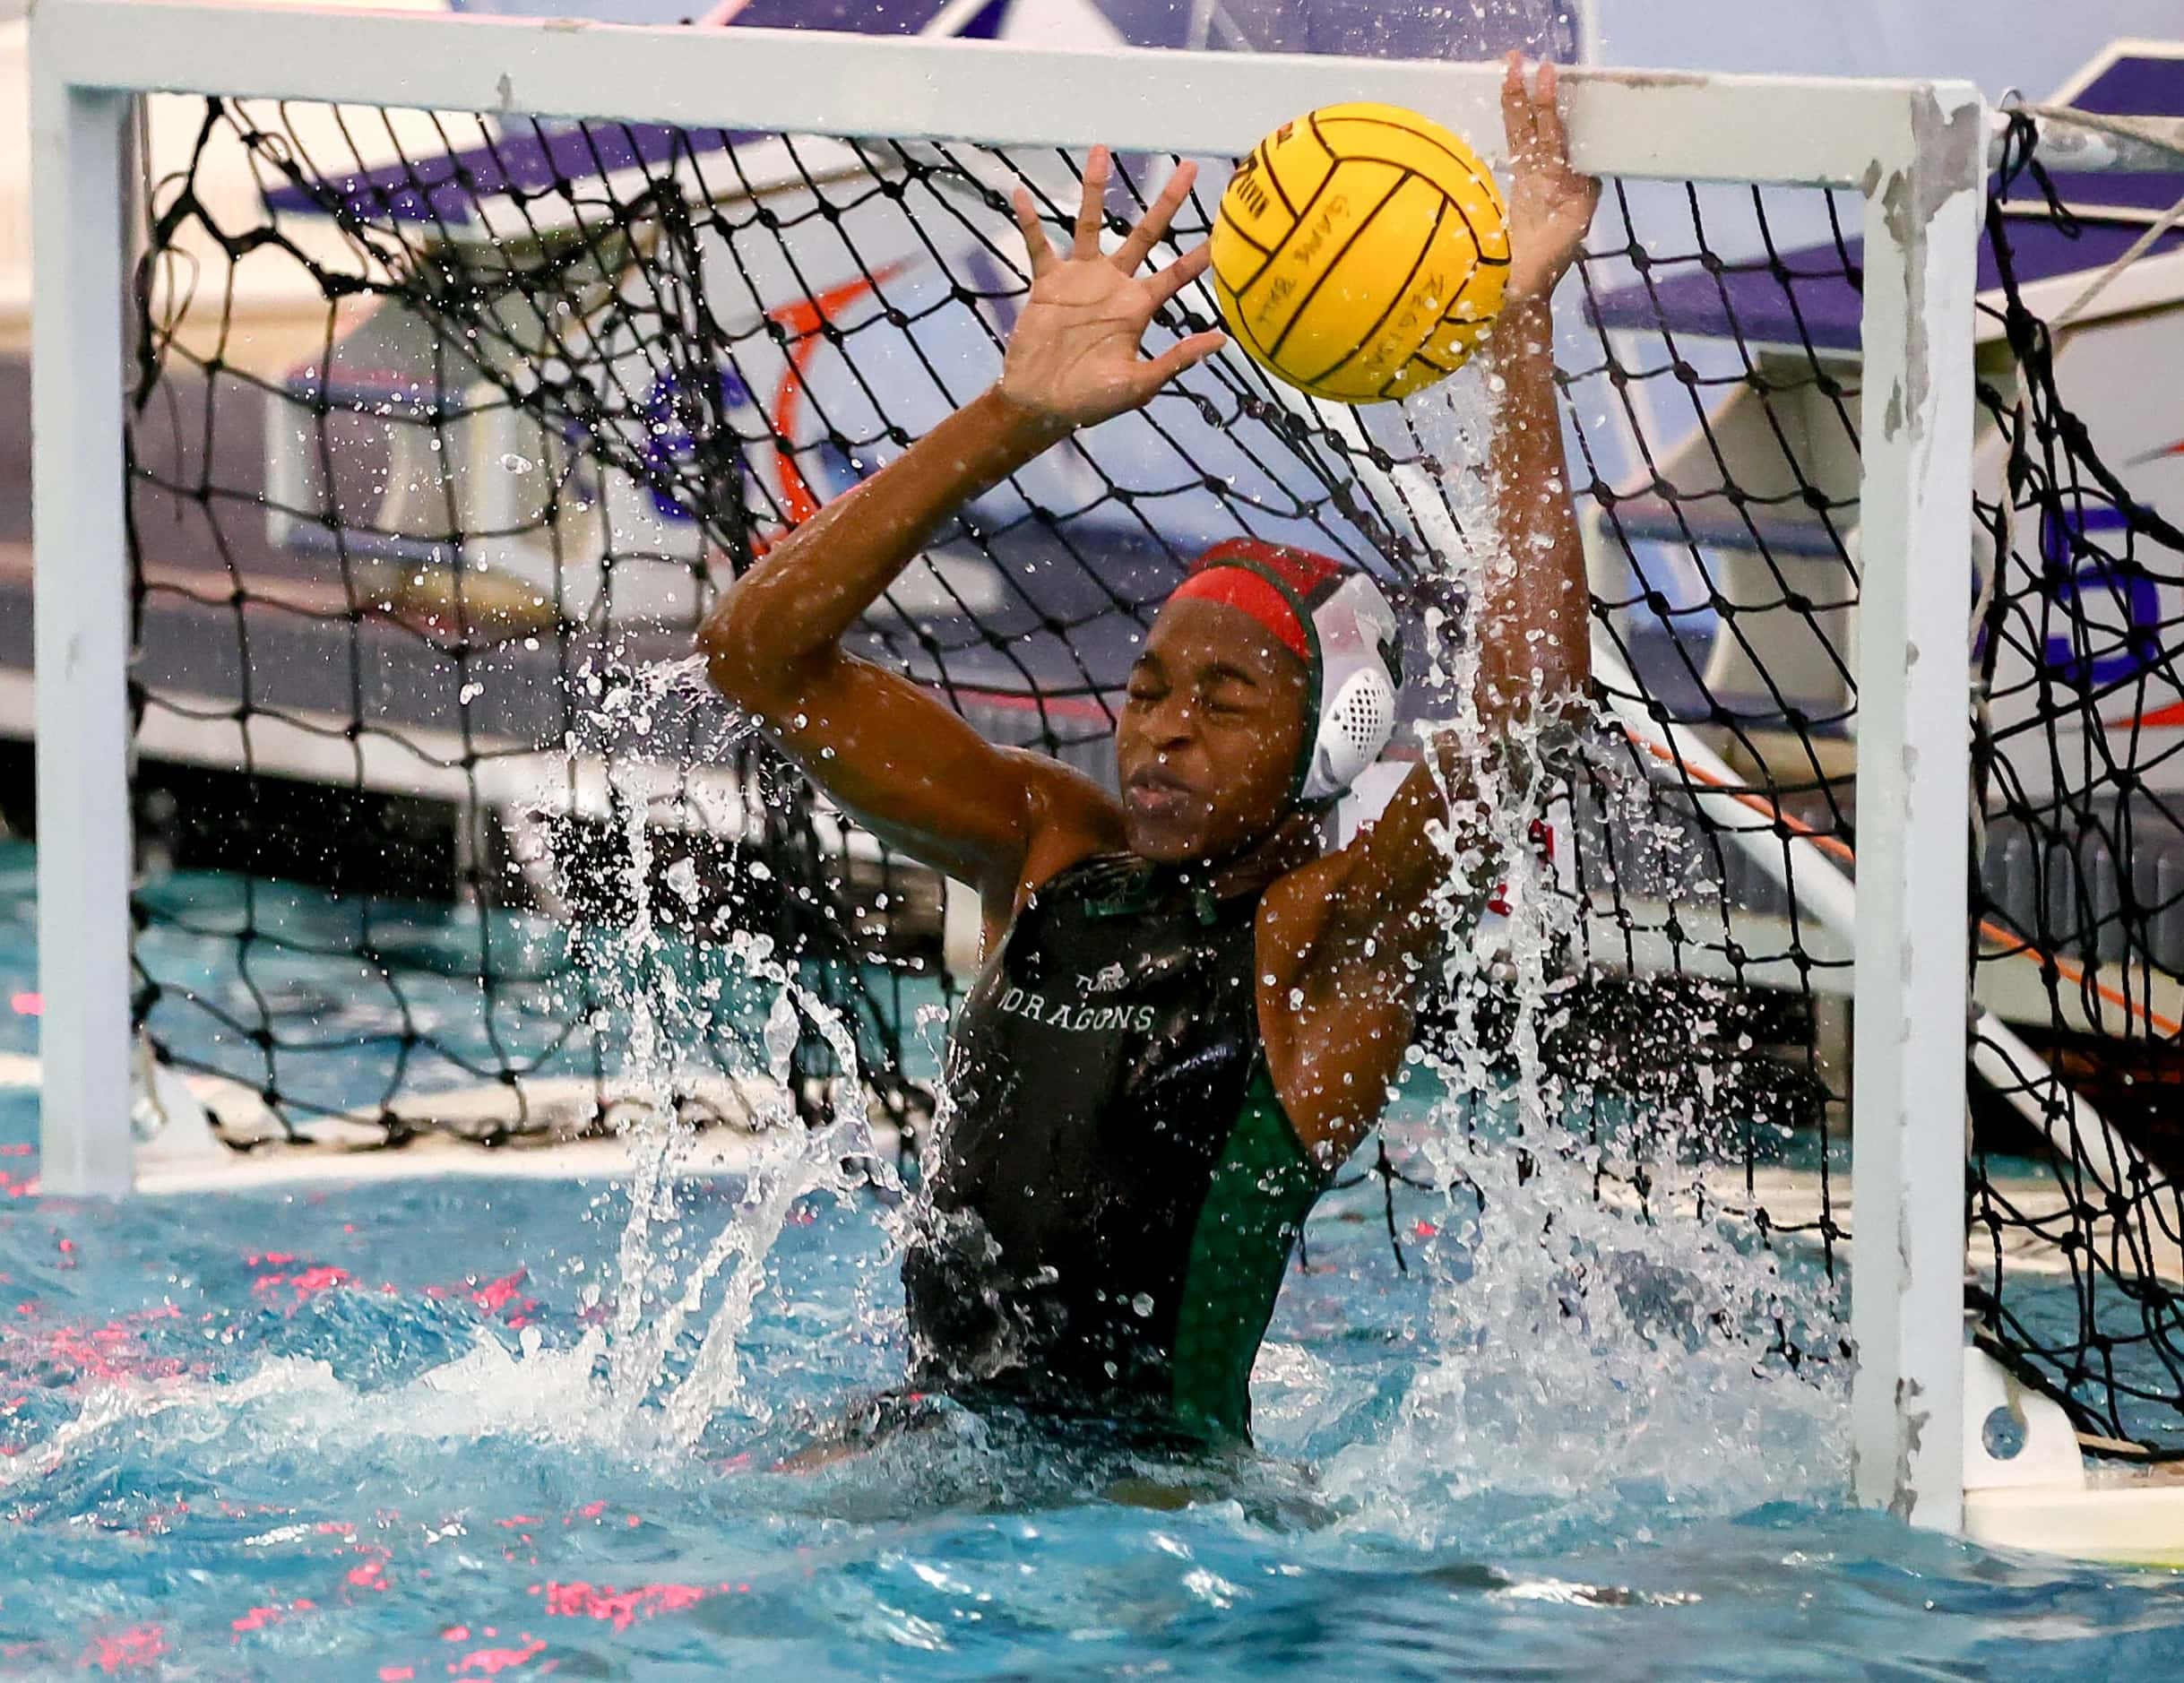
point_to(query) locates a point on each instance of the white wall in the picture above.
(172, 128)
(2030, 45)
(15, 181)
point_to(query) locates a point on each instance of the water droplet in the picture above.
(1140, 1304)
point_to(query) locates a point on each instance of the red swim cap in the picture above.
(1228, 573)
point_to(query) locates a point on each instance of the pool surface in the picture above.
(373, 1432)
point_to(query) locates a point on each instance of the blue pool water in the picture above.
(346, 1433)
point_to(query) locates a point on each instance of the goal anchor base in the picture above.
(2042, 1501)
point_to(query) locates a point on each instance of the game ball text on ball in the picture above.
(1359, 252)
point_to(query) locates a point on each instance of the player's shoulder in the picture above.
(1067, 818)
(1059, 797)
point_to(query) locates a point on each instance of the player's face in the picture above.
(1206, 747)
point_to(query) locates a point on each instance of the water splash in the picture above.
(1582, 1342)
(679, 1311)
(1598, 1328)
(1587, 1338)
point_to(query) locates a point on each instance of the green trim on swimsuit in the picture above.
(1261, 1191)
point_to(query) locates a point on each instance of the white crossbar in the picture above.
(1675, 125)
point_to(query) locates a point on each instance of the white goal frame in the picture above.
(1916, 151)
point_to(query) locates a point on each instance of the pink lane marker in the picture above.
(304, 1282)
(496, 1292)
(486, 1661)
(397, 1673)
(502, 1298)
(259, 1618)
(127, 1649)
(623, 1607)
(26, 1004)
(115, 1351)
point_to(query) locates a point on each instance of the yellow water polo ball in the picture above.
(1358, 253)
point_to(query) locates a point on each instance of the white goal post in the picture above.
(1916, 151)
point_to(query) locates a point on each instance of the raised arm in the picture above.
(1358, 926)
(1534, 629)
(885, 750)
(1532, 626)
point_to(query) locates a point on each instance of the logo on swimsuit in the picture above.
(1111, 979)
(1079, 1019)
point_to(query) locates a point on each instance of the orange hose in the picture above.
(1841, 850)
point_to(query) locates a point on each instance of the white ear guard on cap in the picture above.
(1357, 670)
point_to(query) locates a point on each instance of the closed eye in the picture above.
(1227, 694)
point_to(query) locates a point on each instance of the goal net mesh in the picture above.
(2078, 881)
(446, 429)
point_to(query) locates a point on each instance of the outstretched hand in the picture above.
(1550, 204)
(1073, 358)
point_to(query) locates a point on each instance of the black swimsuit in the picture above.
(1115, 1190)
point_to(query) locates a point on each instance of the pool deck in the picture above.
(571, 1134)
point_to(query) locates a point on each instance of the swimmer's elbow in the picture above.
(742, 660)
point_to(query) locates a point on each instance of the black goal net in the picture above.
(447, 429)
